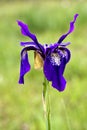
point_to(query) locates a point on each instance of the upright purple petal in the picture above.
(25, 31)
(71, 29)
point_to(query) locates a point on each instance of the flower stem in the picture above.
(46, 103)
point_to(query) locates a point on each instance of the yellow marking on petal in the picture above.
(38, 61)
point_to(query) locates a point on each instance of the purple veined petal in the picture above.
(71, 29)
(54, 72)
(25, 31)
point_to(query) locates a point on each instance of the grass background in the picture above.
(21, 105)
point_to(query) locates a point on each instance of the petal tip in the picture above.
(18, 22)
(59, 88)
(21, 80)
(76, 15)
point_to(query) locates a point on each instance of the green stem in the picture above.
(46, 103)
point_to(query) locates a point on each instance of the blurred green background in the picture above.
(21, 105)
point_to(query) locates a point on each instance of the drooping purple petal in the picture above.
(53, 70)
(25, 66)
(58, 80)
(34, 46)
(25, 31)
(71, 29)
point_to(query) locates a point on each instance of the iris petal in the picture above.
(25, 44)
(67, 55)
(71, 29)
(54, 72)
(25, 65)
(58, 80)
(26, 32)
(48, 68)
(65, 44)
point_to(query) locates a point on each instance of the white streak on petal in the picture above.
(55, 59)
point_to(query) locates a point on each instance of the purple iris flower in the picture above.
(55, 56)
